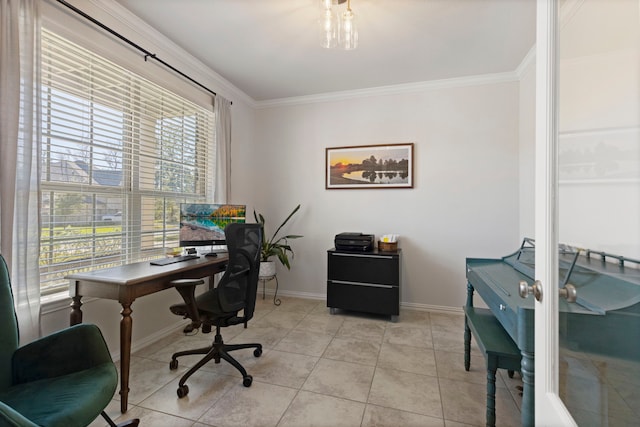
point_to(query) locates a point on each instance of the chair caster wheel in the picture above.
(183, 391)
(257, 352)
(173, 365)
(246, 381)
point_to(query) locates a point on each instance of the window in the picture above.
(119, 155)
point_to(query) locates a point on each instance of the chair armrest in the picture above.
(11, 418)
(187, 290)
(242, 271)
(70, 350)
(237, 273)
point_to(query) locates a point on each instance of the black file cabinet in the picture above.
(364, 281)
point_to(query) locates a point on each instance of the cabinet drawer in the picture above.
(373, 268)
(371, 298)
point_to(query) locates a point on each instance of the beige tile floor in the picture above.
(319, 369)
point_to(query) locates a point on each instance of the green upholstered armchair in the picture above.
(65, 379)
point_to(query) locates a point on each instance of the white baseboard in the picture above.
(158, 335)
(409, 305)
(150, 339)
(432, 308)
(296, 294)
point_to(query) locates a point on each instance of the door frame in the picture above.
(549, 408)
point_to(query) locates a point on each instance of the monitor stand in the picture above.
(215, 249)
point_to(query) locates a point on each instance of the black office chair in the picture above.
(221, 307)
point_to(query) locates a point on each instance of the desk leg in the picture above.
(528, 374)
(125, 354)
(76, 314)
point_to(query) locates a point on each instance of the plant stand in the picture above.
(264, 280)
(267, 273)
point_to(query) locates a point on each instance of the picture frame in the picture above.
(369, 166)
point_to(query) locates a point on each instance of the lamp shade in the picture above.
(347, 31)
(328, 25)
(336, 28)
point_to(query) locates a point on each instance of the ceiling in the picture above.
(269, 49)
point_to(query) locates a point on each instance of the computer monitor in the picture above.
(202, 224)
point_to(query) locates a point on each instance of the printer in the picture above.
(354, 242)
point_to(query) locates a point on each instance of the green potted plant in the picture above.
(274, 246)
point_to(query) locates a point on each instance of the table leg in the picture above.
(125, 354)
(467, 330)
(528, 403)
(470, 290)
(467, 345)
(76, 313)
(491, 398)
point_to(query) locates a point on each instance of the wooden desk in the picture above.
(128, 282)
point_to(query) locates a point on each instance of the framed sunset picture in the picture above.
(370, 166)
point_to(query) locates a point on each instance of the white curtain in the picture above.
(20, 157)
(222, 110)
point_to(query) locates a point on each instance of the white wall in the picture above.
(465, 196)
(526, 148)
(599, 146)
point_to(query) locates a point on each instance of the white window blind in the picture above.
(120, 154)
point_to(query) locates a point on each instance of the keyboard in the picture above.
(172, 260)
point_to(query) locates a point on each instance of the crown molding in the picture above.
(154, 41)
(485, 79)
(528, 61)
(157, 42)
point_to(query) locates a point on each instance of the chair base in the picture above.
(129, 423)
(217, 351)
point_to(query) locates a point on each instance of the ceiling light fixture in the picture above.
(337, 28)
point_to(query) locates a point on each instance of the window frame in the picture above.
(133, 194)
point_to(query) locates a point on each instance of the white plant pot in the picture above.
(267, 269)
